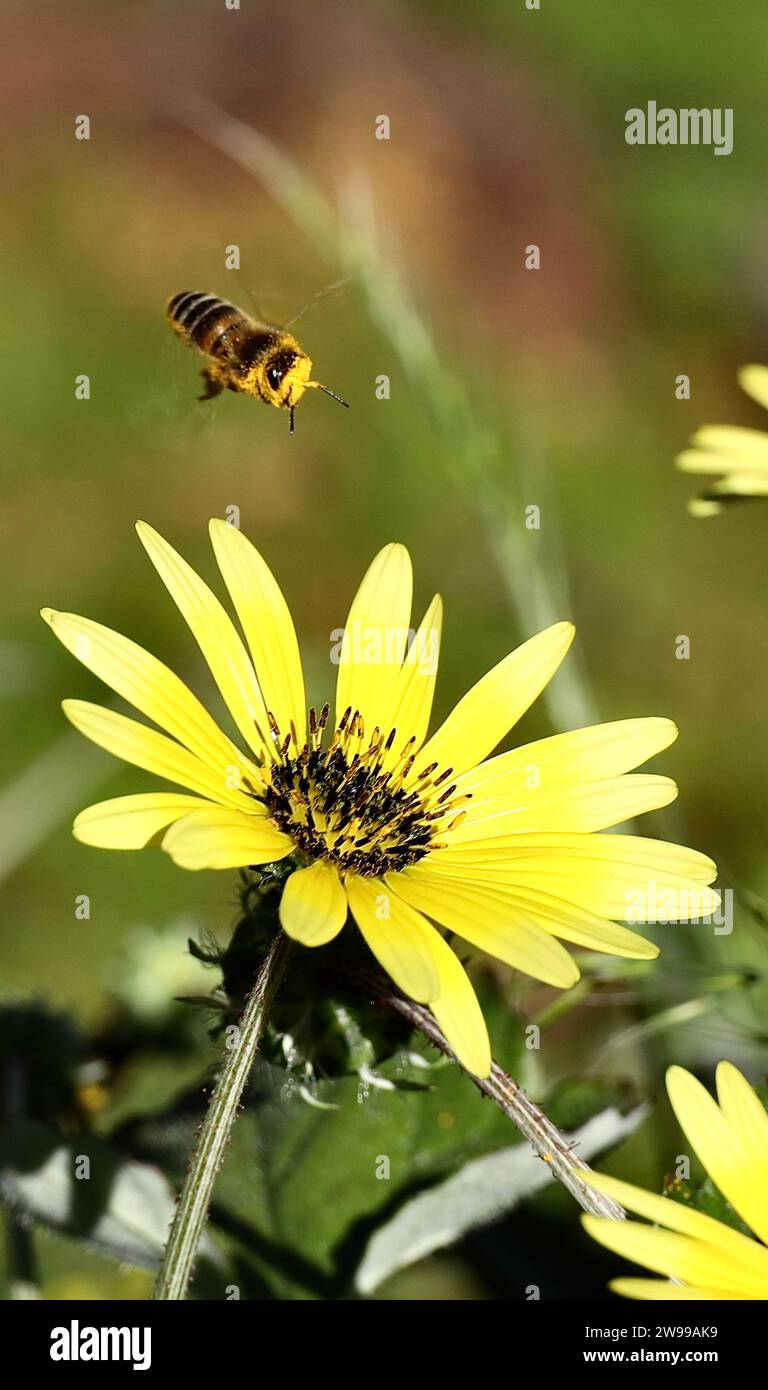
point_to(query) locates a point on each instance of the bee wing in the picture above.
(334, 290)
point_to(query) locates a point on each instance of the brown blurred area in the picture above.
(483, 159)
(506, 130)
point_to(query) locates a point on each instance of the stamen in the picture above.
(345, 806)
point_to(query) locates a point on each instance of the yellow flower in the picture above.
(401, 829)
(711, 1260)
(741, 455)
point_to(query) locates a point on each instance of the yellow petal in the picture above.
(742, 482)
(215, 634)
(662, 1211)
(622, 877)
(745, 1113)
(659, 1290)
(402, 942)
(482, 718)
(623, 855)
(454, 1003)
(268, 628)
(697, 461)
(570, 923)
(720, 1149)
(217, 838)
(313, 908)
(593, 754)
(584, 929)
(581, 806)
(680, 1257)
(482, 917)
(744, 447)
(412, 701)
(754, 380)
(148, 685)
(131, 822)
(145, 748)
(458, 1012)
(375, 638)
(700, 506)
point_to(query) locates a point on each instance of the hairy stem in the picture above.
(510, 1097)
(192, 1209)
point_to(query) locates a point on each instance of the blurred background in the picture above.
(509, 388)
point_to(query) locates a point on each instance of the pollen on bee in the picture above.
(243, 355)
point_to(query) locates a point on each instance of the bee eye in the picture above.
(274, 377)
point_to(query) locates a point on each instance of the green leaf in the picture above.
(482, 1191)
(302, 1189)
(574, 1101)
(707, 1198)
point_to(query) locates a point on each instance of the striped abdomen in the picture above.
(220, 329)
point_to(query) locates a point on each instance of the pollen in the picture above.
(351, 802)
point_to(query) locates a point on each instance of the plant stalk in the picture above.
(504, 1091)
(191, 1212)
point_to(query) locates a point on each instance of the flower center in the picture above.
(341, 803)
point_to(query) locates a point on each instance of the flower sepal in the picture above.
(320, 1026)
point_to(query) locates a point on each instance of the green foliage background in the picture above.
(507, 128)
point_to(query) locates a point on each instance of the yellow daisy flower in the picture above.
(712, 1260)
(741, 455)
(401, 829)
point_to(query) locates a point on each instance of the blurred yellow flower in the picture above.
(712, 1260)
(401, 829)
(740, 455)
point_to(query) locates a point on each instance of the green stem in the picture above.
(504, 1091)
(192, 1209)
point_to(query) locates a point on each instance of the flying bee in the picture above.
(257, 359)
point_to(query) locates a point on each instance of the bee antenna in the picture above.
(328, 392)
(290, 429)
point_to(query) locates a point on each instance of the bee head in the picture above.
(286, 373)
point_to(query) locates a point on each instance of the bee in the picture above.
(257, 359)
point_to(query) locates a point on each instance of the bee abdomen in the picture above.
(181, 308)
(204, 320)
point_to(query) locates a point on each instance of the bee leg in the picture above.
(213, 384)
